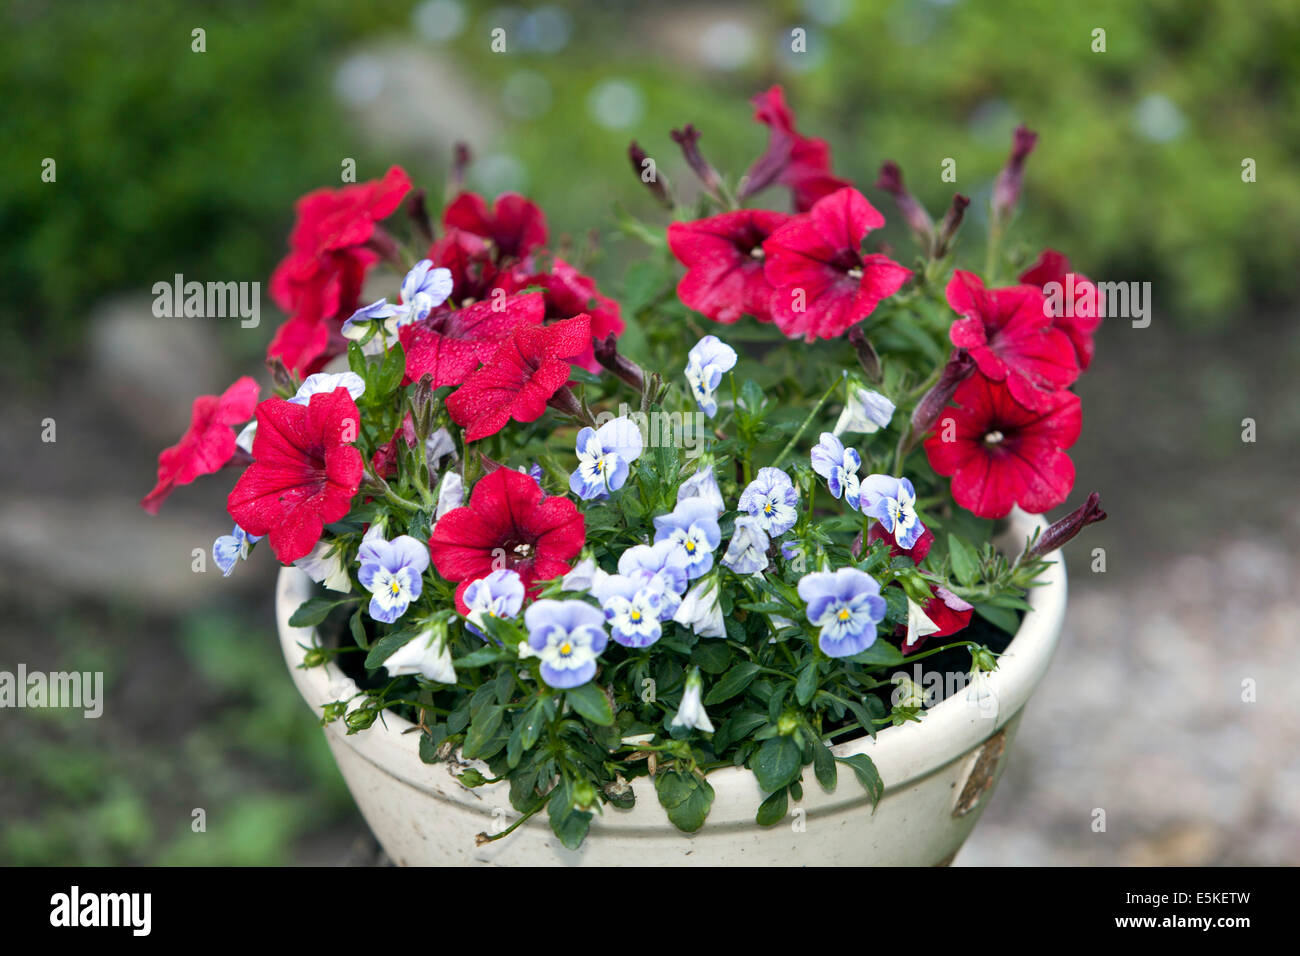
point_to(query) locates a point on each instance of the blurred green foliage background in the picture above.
(171, 160)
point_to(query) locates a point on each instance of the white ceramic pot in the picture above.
(938, 776)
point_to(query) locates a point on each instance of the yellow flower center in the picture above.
(566, 648)
(690, 547)
(844, 614)
(636, 616)
(395, 587)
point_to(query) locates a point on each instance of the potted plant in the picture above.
(740, 569)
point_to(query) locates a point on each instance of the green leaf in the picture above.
(568, 824)
(776, 764)
(386, 647)
(865, 770)
(806, 686)
(685, 797)
(965, 561)
(824, 766)
(313, 611)
(772, 810)
(1001, 617)
(481, 740)
(478, 658)
(879, 654)
(590, 701)
(713, 657)
(391, 372)
(732, 683)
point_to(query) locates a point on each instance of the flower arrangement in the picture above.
(574, 551)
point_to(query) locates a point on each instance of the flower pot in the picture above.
(938, 774)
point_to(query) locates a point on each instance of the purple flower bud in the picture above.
(1058, 533)
(867, 357)
(1006, 188)
(950, 224)
(959, 368)
(460, 158)
(608, 356)
(918, 220)
(418, 213)
(688, 139)
(655, 183)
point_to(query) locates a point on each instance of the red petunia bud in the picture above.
(950, 224)
(959, 368)
(1059, 532)
(688, 139)
(654, 183)
(460, 158)
(918, 220)
(1006, 188)
(607, 355)
(418, 213)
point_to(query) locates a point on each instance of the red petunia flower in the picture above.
(823, 282)
(304, 471)
(568, 293)
(327, 262)
(917, 552)
(947, 611)
(1010, 336)
(515, 225)
(792, 159)
(384, 460)
(509, 522)
(207, 444)
(469, 259)
(519, 379)
(1079, 316)
(723, 256)
(1000, 454)
(451, 343)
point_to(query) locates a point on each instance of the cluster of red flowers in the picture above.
(1005, 444)
(807, 273)
(506, 350)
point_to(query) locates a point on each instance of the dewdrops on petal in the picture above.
(425, 654)
(701, 611)
(846, 605)
(706, 363)
(747, 552)
(326, 382)
(325, 565)
(500, 594)
(771, 500)
(892, 501)
(866, 411)
(691, 711)
(231, 548)
(567, 637)
(604, 456)
(392, 572)
(693, 527)
(839, 466)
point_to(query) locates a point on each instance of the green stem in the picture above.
(803, 427)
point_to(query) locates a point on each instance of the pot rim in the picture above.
(949, 731)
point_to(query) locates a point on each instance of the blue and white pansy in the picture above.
(633, 607)
(692, 527)
(423, 289)
(865, 411)
(690, 713)
(703, 484)
(392, 572)
(705, 365)
(747, 552)
(839, 466)
(604, 455)
(892, 501)
(771, 500)
(846, 605)
(567, 637)
(232, 548)
(500, 594)
(426, 654)
(664, 565)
